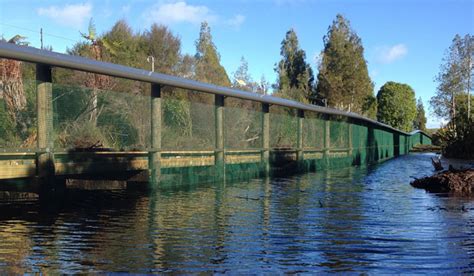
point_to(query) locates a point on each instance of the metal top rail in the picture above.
(34, 55)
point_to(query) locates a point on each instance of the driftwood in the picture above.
(437, 164)
(456, 182)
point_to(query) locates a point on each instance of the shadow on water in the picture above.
(363, 220)
(83, 169)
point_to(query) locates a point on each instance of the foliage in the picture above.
(452, 99)
(7, 127)
(369, 108)
(457, 143)
(420, 119)
(396, 105)
(164, 46)
(177, 115)
(263, 86)
(456, 76)
(295, 76)
(242, 79)
(82, 134)
(208, 68)
(343, 77)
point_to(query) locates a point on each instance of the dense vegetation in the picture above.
(420, 118)
(452, 100)
(396, 105)
(343, 78)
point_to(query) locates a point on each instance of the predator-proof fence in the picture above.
(62, 115)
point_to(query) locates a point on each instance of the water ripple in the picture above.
(363, 220)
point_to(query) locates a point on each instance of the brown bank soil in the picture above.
(426, 148)
(455, 182)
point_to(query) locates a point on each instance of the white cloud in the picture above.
(236, 21)
(389, 54)
(179, 12)
(169, 12)
(70, 15)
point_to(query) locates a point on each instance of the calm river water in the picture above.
(349, 220)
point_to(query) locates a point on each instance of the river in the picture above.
(363, 220)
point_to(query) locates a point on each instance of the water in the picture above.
(349, 220)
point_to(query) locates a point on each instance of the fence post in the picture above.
(265, 155)
(44, 109)
(350, 138)
(154, 156)
(299, 144)
(327, 141)
(219, 126)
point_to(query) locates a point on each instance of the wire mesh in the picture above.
(242, 124)
(339, 133)
(313, 131)
(283, 127)
(97, 118)
(188, 120)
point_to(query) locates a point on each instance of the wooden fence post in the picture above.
(299, 143)
(265, 155)
(219, 127)
(327, 140)
(350, 138)
(44, 109)
(154, 157)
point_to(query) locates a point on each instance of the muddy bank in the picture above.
(426, 148)
(456, 182)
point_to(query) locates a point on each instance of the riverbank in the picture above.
(426, 148)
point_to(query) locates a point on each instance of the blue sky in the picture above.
(404, 40)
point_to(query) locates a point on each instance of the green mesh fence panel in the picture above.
(359, 143)
(402, 146)
(379, 144)
(313, 131)
(339, 133)
(283, 127)
(242, 124)
(85, 118)
(188, 120)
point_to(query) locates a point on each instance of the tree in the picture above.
(208, 68)
(455, 78)
(343, 78)
(165, 47)
(263, 86)
(396, 105)
(97, 48)
(11, 82)
(242, 79)
(420, 119)
(457, 137)
(295, 76)
(369, 107)
(120, 41)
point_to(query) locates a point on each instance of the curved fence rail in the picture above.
(173, 130)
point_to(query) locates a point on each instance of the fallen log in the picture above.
(456, 182)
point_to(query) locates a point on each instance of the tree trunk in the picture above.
(94, 111)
